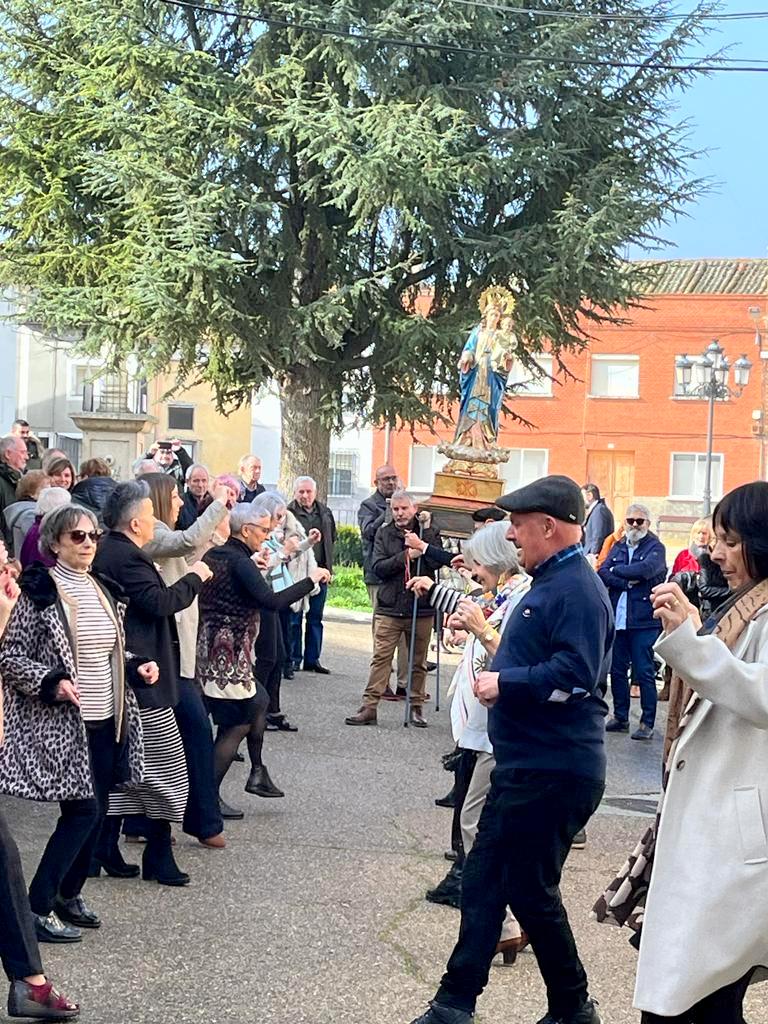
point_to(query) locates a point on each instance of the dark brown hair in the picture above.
(95, 467)
(744, 512)
(58, 466)
(161, 488)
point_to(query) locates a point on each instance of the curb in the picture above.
(345, 615)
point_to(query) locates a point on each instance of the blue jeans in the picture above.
(313, 639)
(634, 648)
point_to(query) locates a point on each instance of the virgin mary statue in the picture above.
(484, 367)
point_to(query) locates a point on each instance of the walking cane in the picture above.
(412, 644)
(439, 632)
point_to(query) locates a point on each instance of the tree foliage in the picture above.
(265, 202)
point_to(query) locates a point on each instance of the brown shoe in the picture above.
(214, 842)
(509, 948)
(389, 694)
(417, 719)
(365, 716)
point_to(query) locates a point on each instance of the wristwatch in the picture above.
(489, 634)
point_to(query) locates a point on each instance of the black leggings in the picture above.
(228, 739)
(723, 1007)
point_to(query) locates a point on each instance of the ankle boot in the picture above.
(260, 784)
(157, 863)
(448, 891)
(107, 854)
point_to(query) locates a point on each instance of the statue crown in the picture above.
(497, 296)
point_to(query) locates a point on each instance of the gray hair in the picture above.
(244, 513)
(143, 466)
(192, 468)
(490, 548)
(7, 443)
(269, 503)
(59, 521)
(303, 480)
(636, 507)
(123, 503)
(403, 495)
(50, 498)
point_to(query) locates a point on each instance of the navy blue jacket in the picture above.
(553, 664)
(647, 569)
(598, 526)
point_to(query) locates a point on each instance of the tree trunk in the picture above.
(305, 441)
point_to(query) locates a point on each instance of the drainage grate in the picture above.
(638, 804)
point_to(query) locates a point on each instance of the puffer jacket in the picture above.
(93, 493)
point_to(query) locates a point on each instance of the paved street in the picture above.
(314, 914)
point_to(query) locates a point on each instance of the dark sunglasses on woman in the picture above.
(79, 536)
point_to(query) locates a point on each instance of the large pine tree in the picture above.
(262, 200)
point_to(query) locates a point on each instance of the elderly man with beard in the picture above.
(635, 565)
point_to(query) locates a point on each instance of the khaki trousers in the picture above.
(388, 633)
(471, 810)
(402, 647)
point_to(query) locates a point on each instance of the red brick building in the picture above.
(620, 421)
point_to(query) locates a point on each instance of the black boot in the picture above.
(449, 800)
(260, 784)
(448, 892)
(158, 864)
(107, 854)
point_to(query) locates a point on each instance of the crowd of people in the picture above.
(147, 625)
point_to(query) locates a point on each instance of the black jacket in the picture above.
(251, 493)
(323, 550)
(389, 560)
(598, 526)
(9, 478)
(191, 511)
(93, 492)
(150, 626)
(370, 516)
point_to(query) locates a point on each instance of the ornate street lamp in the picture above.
(706, 376)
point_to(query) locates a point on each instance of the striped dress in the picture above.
(163, 793)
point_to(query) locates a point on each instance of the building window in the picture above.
(342, 474)
(84, 373)
(425, 462)
(615, 377)
(687, 475)
(181, 417)
(524, 466)
(528, 382)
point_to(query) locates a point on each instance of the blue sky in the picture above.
(730, 119)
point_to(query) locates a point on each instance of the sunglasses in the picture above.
(635, 522)
(80, 536)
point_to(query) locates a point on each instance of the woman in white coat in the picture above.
(704, 936)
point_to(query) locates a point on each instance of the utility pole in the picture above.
(760, 426)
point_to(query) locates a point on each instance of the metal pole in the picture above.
(412, 644)
(712, 387)
(439, 633)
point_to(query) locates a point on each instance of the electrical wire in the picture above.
(602, 16)
(351, 34)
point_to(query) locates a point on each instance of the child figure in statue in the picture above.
(484, 367)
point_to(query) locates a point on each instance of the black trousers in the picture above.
(63, 868)
(722, 1007)
(18, 944)
(201, 815)
(523, 839)
(463, 777)
(270, 656)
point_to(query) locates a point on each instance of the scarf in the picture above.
(623, 902)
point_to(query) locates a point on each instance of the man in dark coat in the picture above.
(393, 557)
(635, 565)
(313, 515)
(171, 459)
(249, 475)
(13, 459)
(197, 496)
(599, 523)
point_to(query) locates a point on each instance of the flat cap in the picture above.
(556, 496)
(490, 512)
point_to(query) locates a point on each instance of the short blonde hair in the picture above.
(701, 524)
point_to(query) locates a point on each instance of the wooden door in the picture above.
(614, 474)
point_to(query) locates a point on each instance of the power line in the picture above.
(602, 16)
(351, 34)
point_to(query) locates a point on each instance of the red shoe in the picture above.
(40, 1002)
(509, 948)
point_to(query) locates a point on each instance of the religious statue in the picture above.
(484, 366)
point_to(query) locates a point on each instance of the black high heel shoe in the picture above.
(157, 863)
(107, 854)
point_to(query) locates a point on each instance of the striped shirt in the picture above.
(95, 642)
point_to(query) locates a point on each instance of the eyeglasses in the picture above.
(636, 522)
(80, 536)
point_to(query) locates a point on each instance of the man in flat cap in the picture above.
(545, 694)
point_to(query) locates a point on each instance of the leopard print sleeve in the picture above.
(28, 656)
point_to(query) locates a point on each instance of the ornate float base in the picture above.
(456, 497)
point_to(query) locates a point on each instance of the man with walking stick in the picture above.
(397, 615)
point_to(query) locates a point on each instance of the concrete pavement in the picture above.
(314, 914)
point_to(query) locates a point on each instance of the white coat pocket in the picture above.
(749, 814)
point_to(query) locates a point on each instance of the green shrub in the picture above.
(348, 589)
(349, 549)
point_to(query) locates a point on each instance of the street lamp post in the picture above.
(707, 377)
